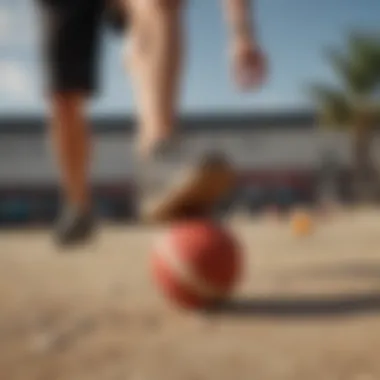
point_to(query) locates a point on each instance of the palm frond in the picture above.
(364, 53)
(359, 66)
(356, 102)
(357, 75)
(365, 47)
(334, 107)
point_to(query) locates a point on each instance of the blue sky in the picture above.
(293, 33)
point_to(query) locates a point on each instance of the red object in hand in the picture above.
(196, 263)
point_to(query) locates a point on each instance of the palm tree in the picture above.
(354, 105)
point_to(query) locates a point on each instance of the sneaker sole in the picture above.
(195, 196)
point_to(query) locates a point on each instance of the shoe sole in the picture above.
(195, 196)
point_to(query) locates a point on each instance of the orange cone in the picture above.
(301, 223)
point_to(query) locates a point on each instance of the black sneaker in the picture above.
(173, 187)
(74, 227)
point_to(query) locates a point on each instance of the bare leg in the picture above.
(70, 136)
(168, 190)
(71, 35)
(154, 60)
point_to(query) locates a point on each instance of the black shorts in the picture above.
(71, 34)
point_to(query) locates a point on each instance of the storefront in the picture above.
(278, 157)
(40, 206)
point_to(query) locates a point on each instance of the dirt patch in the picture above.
(307, 309)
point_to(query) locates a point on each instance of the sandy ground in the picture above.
(307, 309)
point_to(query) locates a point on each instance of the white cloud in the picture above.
(14, 15)
(5, 24)
(15, 82)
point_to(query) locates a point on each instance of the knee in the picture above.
(154, 7)
(67, 105)
(167, 5)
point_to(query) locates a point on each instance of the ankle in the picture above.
(147, 146)
(81, 205)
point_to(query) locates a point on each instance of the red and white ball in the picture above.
(196, 263)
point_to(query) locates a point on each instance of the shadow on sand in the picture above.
(300, 307)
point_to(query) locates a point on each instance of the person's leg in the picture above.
(69, 133)
(71, 45)
(155, 61)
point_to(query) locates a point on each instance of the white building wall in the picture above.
(28, 159)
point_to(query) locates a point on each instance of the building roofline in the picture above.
(216, 122)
